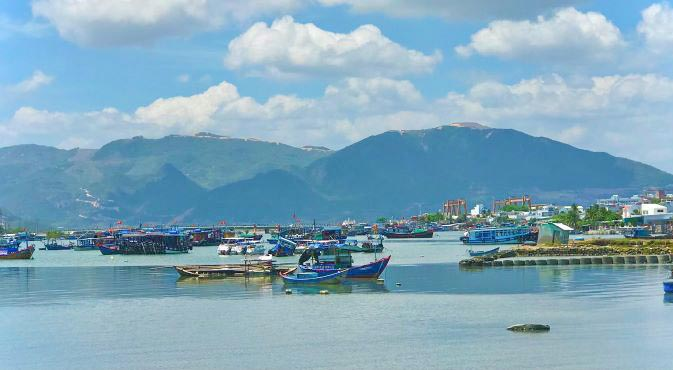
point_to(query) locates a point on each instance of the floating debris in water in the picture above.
(529, 327)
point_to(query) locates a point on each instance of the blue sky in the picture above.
(595, 74)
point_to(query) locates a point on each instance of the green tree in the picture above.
(382, 220)
(515, 208)
(435, 217)
(570, 218)
(597, 214)
(54, 234)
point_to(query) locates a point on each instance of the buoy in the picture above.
(398, 284)
(324, 292)
(288, 291)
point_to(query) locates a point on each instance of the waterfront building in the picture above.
(615, 203)
(554, 233)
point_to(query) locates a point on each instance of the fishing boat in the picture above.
(328, 259)
(373, 244)
(483, 253)
(53, 245)
(88, 244)
(10, 249)
(234, 245)
(248, 235)
(296, 277)
(644, 233)
(406, 233)
(502, 235)
(107, 250)
(283, 248)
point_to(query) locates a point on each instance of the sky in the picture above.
(594, 74)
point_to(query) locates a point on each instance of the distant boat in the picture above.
(643, 233)
(108, 249)
(294, 277)
(406, 233)
(502, 235)
(483, 253)
(53, 245)
(373, 244)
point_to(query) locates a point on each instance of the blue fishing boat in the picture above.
(283, 248)
(295, 277)
(483, 253)
(328, 259)
(10, 249)
(502, 235)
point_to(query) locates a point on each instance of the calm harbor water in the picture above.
(82, 310)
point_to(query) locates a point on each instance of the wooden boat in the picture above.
(295, 277)
(483, 253)
(107, 249)
(247, 268)
(404, 233)
(502, 235)
(14, 253)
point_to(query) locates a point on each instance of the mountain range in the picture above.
(208, 178)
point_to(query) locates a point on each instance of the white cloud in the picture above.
(103, 23)
(626, 115)
(287, 48)
(34, 82)
(568, 35)
(183, 78)
(656, 27)
(453, 10)
(9, 27)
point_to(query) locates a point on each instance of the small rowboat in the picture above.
(668, 286)
(482, 253)
(313, 277)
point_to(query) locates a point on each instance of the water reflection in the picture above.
(67, 285)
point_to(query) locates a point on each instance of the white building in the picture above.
(477, 210)
(648, 209)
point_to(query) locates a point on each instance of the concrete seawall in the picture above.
(575, 260)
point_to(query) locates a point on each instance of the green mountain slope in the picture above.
(397, 170)
(208, 178)
(208, 160)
